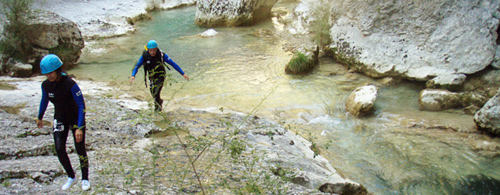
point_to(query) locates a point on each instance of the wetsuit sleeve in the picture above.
(80, 103)
(43, 104)
(172, 63)
(137, 66)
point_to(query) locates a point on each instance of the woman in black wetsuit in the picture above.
(154, 66)
(69, 115)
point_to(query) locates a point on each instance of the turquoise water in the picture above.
(388, 152)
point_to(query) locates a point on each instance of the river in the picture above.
(396, 150)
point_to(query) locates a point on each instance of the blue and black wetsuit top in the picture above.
(153, 64)
(67, 99)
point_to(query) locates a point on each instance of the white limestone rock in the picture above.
(438, 100)
(211, 13)
(361, 100)
(488, 117)
(209, 33)
(411, 39)
(21, 70)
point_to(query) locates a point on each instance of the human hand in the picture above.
(186, 77)
(39, 123)
(79, 135)
(132, 78)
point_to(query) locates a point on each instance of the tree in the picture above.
(15, 43)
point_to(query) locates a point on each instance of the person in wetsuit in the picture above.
(153, 60)
(69, 115)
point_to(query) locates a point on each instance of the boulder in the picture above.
(303, 61)
(51, 33)
(488, 117)
(438, 100)
(361, 100)
(409, 39)
(453, 82)
(15, 68)
(208, 33)
(211, 13)
(472, 99)
(21, 70)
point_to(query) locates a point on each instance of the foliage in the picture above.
(284, 173)
(320, 26)
(6, 183)
(314, 145)
(16, 33)
(300, 63)
(236, 147)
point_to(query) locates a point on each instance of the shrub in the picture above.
(321, 25)
(300, 63)
(15, 43)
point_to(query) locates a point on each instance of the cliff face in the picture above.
(411, 39)
(211, 13)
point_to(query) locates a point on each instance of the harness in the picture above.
(147, 57)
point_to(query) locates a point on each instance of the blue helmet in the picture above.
(152, 44)
(50, 63)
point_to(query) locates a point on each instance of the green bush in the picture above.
(300, 63)
(16, 43)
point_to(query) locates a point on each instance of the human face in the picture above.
(152, 51)
(52, 76)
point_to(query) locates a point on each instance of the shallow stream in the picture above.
(397, 150)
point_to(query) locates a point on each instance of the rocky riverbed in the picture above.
(135, 151)
(132, 150)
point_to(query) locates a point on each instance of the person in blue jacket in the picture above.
(154, 66)
(69, 115)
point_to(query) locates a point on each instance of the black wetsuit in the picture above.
(155, 68)
(156, 74)
(69, 115)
